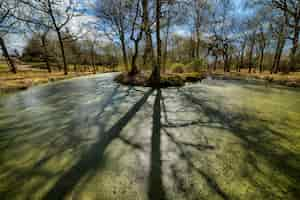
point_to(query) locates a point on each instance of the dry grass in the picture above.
(24, 79)
(28, 75)
(291, 79)
(10, 82)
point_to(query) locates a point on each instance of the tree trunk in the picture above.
(93, 59)
(149, 47)
(216, 62)
(241, 64)
(292, 63)
(10, 62)
(261, 60)
(134, 69)
(277, 68)
(61, 44)
(279, 49)
(166, 45)
(158, 7)
(57, 29)
(197, 52)
(251, 54)
(124, 50)
(198, 21)
(226, 63)
(75, 67)
(45, 52)
(276, 60)
(156, 68)
(226, 58)
(192, 52)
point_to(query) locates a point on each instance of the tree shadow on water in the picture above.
(156, 190)
(93, 157)
(259, 141)
(184, 154)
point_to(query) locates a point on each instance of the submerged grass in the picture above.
(216, 140)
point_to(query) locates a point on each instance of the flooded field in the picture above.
(90, 138)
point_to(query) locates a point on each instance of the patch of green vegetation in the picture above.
(197, 65)
(171, 81)
(3, 66)
(177, 67)
(167, 80)
(192, 76)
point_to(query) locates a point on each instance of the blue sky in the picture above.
(19, 41)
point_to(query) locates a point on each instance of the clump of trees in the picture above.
(83, 55)
(7, 26)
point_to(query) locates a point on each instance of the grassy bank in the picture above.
(172, 79)
(28, 76)
(290, 80)
(14, 82)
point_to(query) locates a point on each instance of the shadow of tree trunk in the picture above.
(181, 145)
(94, 156)
(156, 190)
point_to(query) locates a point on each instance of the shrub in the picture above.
(178, 68)
(197, 65)
(171, 81)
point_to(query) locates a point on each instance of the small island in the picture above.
(166, 80)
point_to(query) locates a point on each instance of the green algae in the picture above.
(218, 140)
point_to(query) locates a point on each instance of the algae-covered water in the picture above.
(90, 138)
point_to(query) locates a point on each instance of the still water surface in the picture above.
(90, 138)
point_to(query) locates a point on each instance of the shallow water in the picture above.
(90, 138)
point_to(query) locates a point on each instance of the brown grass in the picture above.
(291, 79)
(28, 75)
(10, 82)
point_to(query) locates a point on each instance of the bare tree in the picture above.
(136, 35)
(262, 43)
(252, 39)
(243, 44)
(171, 15)
(7, 22)
(199, 11)
(148, 51)
(279, 34)
(92, 43)
(155, 76)
(223, 30)
(115, 21)
(57, 14)
(41, 32)
(291, 12)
